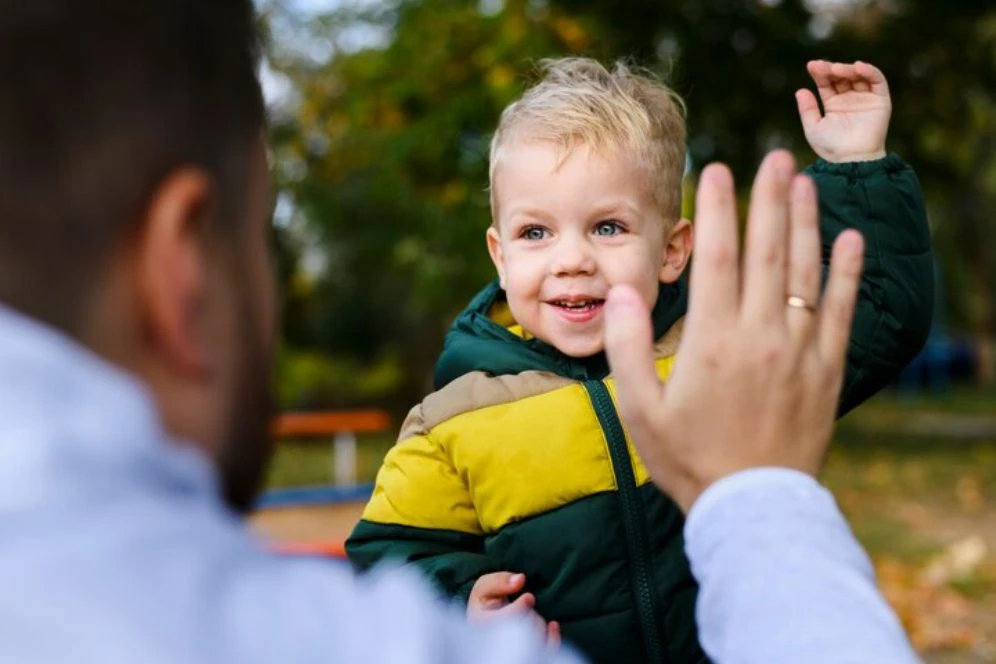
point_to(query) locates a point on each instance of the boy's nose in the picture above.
(572, 257)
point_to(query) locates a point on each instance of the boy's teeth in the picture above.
(579, 305)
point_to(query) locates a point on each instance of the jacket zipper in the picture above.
(634, 523)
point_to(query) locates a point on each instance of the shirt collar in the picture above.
(71, 422)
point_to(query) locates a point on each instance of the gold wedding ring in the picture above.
(797, 302)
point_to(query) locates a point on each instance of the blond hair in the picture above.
(579, 101)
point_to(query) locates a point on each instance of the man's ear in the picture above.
(497, 255)
(172, 271)
(677, 251)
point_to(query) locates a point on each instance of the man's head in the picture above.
(586, 173)
(134, 204)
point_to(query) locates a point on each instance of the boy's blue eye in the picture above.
(534, 233)
(608, 228)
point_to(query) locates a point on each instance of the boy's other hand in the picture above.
(856, 106)
(757, 377)
(489, 599)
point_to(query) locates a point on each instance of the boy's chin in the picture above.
(580, 348)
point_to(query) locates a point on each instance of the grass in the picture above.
(309, 462)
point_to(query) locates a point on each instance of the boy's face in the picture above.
(564, 236)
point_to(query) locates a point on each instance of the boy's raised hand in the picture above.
(489, 599)
(856, 106)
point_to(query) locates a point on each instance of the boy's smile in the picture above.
(578, 309)
(566, 231)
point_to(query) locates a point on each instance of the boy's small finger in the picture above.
(497, 585)
(819, 71)
(840, 70)
(490, 603)
(523, 603)
(553, 634)
(842, 85)
(809, 108)
(874, 76)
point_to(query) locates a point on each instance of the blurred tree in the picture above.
(737, 63)
(384, 154)
(941, 64)
(386, 158)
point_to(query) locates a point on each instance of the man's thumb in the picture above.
(629, 344)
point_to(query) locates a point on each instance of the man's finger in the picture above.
(715, 276)
(837, 310)
(809, 109)
(819, 71)
(629, 341)
(804, 260)
(766, 247)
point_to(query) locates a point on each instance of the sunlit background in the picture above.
(381, 114)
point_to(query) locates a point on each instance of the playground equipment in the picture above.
(341, 427)
(330, 509)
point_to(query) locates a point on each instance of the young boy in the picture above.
(513, 486)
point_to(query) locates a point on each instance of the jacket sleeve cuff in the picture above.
(891, 163)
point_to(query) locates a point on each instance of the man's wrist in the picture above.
(746, 481)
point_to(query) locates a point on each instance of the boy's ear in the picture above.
(677, 251)
(497, 257)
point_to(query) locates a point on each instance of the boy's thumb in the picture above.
(809, 108)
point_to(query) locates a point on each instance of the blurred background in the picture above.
(381, 115)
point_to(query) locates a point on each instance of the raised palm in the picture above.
(856, 111)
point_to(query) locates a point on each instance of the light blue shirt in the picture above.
(782, 578)
(115, 548)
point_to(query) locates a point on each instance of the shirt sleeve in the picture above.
(317, 612)
(782, 578)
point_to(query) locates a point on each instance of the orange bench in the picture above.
(330, 423)
(342, 427)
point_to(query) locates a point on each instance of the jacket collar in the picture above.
(476, 342)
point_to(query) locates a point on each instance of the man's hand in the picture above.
(489, 599)
(856, 108)
(758, 374)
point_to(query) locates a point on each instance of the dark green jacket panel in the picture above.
(451, 560)
(574, 559)
(609, 638)
(884, 201)
(576, 563)
(672, 576)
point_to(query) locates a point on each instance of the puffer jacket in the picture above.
(519, 462)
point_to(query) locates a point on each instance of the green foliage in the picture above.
(385, 155)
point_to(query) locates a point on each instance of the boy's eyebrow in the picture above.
(530, 212)
(614, 206)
